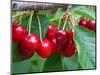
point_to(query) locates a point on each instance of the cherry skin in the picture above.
(31, 42)
(52, 29)
(56, 47)
(45, 49)
(68, 49)
(61, 37)
(83, 22)
(54, 44)
(70, 34)
(25, 53)
(18, 32)
(91, 25)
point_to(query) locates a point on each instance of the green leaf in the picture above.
(34, 64)
(85, 40)
(15, 56)
(53, 63)
(85, 12)
(71, 63)
(21, 67)
(37, 63)
(57, 15)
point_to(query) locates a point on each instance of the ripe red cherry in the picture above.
(45, 49)
(25, 53)
(70, 34)
(18, 32)
(68, 49)
(31, 42)
(52, 29)
(56, 47)
(83, 22)
(91, 25)
(54, 44)
(61, 37)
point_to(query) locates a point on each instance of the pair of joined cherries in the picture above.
(90, 24)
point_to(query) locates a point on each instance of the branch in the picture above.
(23, 5)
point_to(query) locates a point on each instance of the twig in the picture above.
(23, 5)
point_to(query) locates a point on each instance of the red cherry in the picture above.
(56, 47)
(45, 48)
(18, 32)
(52, 29)
(31, 42)
(61, 37)
(68, 49)
(25, 53)
(70, 34)
(54, 44)
(91, 25)
(83, 22)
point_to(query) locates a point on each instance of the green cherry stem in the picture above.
(30, 21)
(60, 22)
(61, 19)
(71, 21)
(65, 22)
(20, 18)
(39, 27)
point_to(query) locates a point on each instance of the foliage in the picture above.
(84, 58)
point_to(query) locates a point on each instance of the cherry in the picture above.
(18, 32)
(54, 44)
(91, 25)
(68, 49)
(31, 42)
(45, 49)
(52, 29)
(61, 37)
(25, 53)
(70, 34)
(83, 22)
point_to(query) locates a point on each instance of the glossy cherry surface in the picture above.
(45, 49)
(70, 34)
(52, 29)
(18, 32)
(91, 25)
(83, 22)
(25, 53)
(54, 44)
(68, 49)
(61, 37)
(31, 41)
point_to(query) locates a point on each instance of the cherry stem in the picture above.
(65, 22)
(20, 18)
(39, 27)
(60, 21)
(30, 21)
(20, 14)
(71, 21)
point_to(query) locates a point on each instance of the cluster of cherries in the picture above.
(60, 41)
(90, 24)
